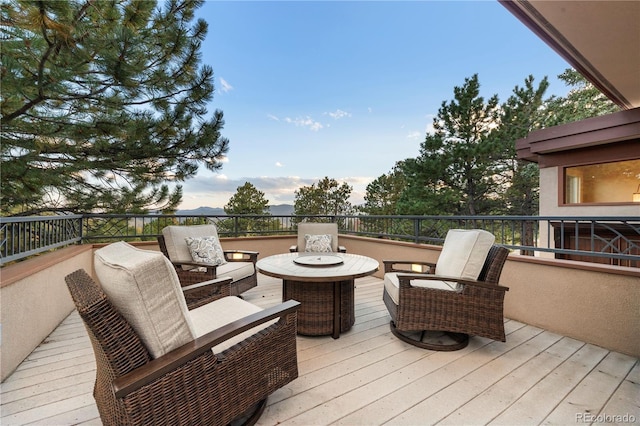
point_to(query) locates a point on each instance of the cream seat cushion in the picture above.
(392, 284)
(236, 270)
(463, 255)
(318, 229)
(221, 312)
(175, 239)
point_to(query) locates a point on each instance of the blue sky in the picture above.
(347, 89)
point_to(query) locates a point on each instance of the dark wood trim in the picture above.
(618, 132)
(621, 151)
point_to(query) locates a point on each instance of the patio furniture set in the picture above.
(175, 342)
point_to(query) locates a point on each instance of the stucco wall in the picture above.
(264, 246)
(34, 299)
(595, 306)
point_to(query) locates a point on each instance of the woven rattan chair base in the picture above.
(432, 340)
(251, 416)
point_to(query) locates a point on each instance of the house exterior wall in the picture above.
(607, 139)
(550, 202)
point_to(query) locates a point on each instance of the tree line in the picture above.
(105, 103)
(468, 164)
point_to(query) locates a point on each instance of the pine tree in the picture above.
(454, 173)
(382, 193)
(327, 197)
(381, 199)
(249, 201)
(522, 113)
(583, 101)
(103, 104)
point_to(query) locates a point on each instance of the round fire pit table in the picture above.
(323, 283)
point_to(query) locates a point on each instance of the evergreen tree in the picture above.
(247, 200)
(326, 197)
(381, 199)
(455, 171)
(583, 101)
(103, 103)
(522, 113)
(382, 194)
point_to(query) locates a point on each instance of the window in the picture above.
(614, 182)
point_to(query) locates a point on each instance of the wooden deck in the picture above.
(368, 377)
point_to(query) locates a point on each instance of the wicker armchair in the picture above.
(317, 230)
(215, 371)
(438, 311)
(240, 264)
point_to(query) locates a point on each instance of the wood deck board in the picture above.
(534, 406)
(368, 376)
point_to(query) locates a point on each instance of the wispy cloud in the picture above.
(305, 122)
(415, 135)
(309, 122)
(226, 87)
(279, 164)
(338, 114)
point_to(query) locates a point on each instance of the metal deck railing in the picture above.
(603, 239)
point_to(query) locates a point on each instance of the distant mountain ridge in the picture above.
(276, 210)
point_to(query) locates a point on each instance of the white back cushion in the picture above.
(464, 253)
(144, 287)
(175, 239)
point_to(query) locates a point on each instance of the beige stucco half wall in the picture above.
(593, 305)
(34, 299)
